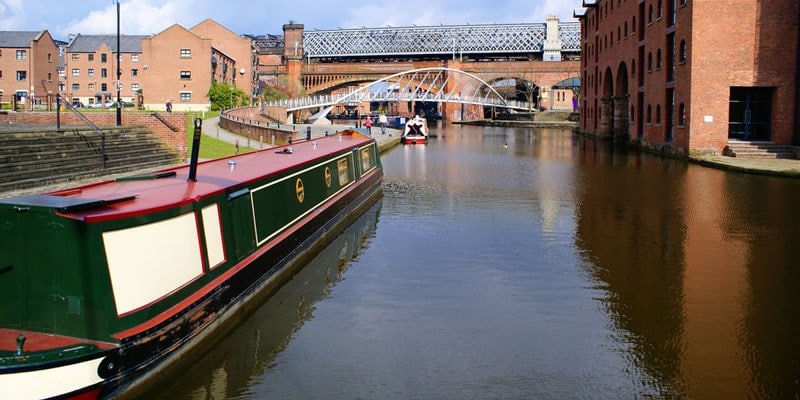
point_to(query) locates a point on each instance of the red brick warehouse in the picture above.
(684, 76)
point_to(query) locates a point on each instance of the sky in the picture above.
(147, 17)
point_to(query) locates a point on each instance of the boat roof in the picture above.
(165, 189)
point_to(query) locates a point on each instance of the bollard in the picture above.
(308, 133)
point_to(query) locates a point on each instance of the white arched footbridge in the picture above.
(424, 84)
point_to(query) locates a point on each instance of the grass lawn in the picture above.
(210, 147)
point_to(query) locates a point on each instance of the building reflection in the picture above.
(699, 267)
(228, 368)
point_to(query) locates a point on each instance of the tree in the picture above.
(224, 96)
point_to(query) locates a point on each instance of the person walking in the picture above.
(382, 120)
(368, 124)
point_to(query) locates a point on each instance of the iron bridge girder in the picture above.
(431, 40)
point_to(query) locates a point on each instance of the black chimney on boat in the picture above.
(198, 131)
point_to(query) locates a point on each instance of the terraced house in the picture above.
(90, 69)
(177, 65)
(27, 58)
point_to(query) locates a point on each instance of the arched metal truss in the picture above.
(461, 40)
(424, 84)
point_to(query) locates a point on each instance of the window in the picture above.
(186, 96)
(76, 72)
(134, 72)
(649, 114)
(49, 57)
(103, 57)
(76, 87)
(90, 72)
(22, 75)
(650, 14)
(186, 53)
(649, 62)
(103, 73)
(683, 3)
(103, 87)
(90, 57)
(682, 56)
(76, 57)
(633, 67)
(681, 114)
(91, 87)
(135, 87)
(22, 55)
(134, 57)
(658, 114)
(659, 12)
(186, 75)
(658, 59)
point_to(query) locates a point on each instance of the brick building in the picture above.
(90, 64)
(177, 65)
(685, 76)
(26, 60)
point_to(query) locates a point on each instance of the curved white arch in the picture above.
(428, 85)
(418, 70)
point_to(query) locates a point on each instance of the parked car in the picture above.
(77, 104)
(108, 104)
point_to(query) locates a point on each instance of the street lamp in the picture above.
(119, 73)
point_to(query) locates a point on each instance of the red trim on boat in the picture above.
(37, 341)
(214, 177)
(172, 311)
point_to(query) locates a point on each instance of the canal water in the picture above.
(507, 263)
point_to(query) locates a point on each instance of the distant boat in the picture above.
(104, 285)
(416, 131)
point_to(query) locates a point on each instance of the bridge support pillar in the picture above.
(621, 121)
(606, 113)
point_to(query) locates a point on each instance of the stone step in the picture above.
(48, 157)
(758, 149)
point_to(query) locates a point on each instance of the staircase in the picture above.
(758, 149)
(30, 159)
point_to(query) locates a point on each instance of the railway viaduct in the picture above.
(541, 56)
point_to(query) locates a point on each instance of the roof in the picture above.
(12, 39)
(171, 187)
(90, 43)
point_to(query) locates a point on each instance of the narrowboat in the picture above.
(416, 131)
(105, 284)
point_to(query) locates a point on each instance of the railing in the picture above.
(89, 123)
(348, 99)
(165, 122)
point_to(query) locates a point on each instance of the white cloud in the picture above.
(10, 14)
(138, 17)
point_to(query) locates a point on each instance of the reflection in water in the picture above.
(534, 263)
(700, 271)
(249, 351)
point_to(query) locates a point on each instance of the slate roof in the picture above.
(17, 39)
(90, 43)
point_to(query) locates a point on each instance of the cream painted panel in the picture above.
(213, 235)
(148, 262)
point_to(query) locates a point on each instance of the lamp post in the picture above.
(119, 73)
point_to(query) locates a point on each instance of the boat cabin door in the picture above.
(28, 262)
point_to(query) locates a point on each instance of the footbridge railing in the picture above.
(424, 84)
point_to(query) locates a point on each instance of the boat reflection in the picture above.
(227, 369)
